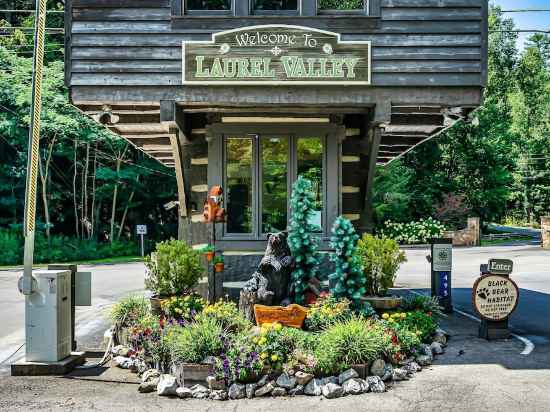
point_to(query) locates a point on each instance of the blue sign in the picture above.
(444, 284)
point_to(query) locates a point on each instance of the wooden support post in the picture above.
(367, 220)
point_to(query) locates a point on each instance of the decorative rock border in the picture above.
(299, 383)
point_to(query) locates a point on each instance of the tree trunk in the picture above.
(92, 223)
(113, 206)
(126, 211)
(77, 231)
(44, 171)
(85, 220)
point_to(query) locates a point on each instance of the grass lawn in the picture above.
(505, 240)
(104, 261)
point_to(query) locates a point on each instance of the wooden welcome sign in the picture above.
(276, 54)
(291, 315)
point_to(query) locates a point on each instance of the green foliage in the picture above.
(426, 304)
(218, 259)
(381, 259)
(239, 360)
(422, 324)
(60, 248)
(341, 4)
(196, 341)
(349, 279)
(302, 243)
(130, 311)
(173, 268)
(413, 232)
(350, 342)
(183, 307)
(327, 311)
(227, 314)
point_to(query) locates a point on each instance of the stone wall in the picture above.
(471, 236)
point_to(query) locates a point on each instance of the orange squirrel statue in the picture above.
(213, 210)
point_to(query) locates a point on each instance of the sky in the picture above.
(523, 21)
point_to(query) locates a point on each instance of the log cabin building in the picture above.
(249, 94)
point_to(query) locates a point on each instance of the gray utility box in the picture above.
(48, 317)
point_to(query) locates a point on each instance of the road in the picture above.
(109, 283)
(531, 273)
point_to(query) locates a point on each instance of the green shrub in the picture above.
(341, 4)
(183, 307)
(381, 259)
(227, 314)
(11, 248)
(423, 324)
(195, 341)
(426, 304)
(413, 232)
(326, 311)
(173, 268)
(129, 311)
(354, 341)
(239, 360)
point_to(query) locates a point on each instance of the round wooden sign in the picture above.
(495, 297)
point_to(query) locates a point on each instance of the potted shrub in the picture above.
(209, 252)
(218, 264)
(171, 270)
(381, 258)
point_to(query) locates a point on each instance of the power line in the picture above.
(523, 10)
(29, 11)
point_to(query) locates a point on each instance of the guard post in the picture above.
(441, 269)
(494, 297)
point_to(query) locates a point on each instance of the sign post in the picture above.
(495, 296)
(141, 230)
(442, 264)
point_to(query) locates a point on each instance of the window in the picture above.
(275, 6)
(258, 174)
(342, 6)
(210, 6)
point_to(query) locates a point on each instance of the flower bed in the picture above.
(413, 232)
(341, 352)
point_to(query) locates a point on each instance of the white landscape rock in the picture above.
(303, 378)
(148, 386)
(314, 387)
(298, 390)
(437, 348)
(400, 374)
(184, 393)
(218, 395)
(353, 386)
(376, 384)
(332, 390)
(265, 390)
(347, 375)
(167, 385)
(278, 392)
(215, 384)
(250, 390)
(378, 367)
(237, 391)
(424, 360)
(285, 381)
(200, 391)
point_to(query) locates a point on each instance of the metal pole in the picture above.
(142, 250)
(34, 142)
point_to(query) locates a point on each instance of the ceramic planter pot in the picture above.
(218, 267)
(209, 256)
(383, 302)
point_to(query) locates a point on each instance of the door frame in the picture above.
(331, 172)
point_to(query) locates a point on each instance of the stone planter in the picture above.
(383, 302)
(190, 372)
(362, 369)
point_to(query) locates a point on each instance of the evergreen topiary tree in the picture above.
(302, 243)
(349, 280)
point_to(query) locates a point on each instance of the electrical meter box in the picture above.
(48, 317)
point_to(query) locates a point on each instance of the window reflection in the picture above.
(239, 185)
(208, 4)
(274, 157)
(275, 4)
(309, 152)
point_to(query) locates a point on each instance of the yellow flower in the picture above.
(385, 316)
(266, 325)
(262, 341)
(274, 358)
(263, 355)
(391, 320)
(403, 315)
(255, 340)
(278, 326)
